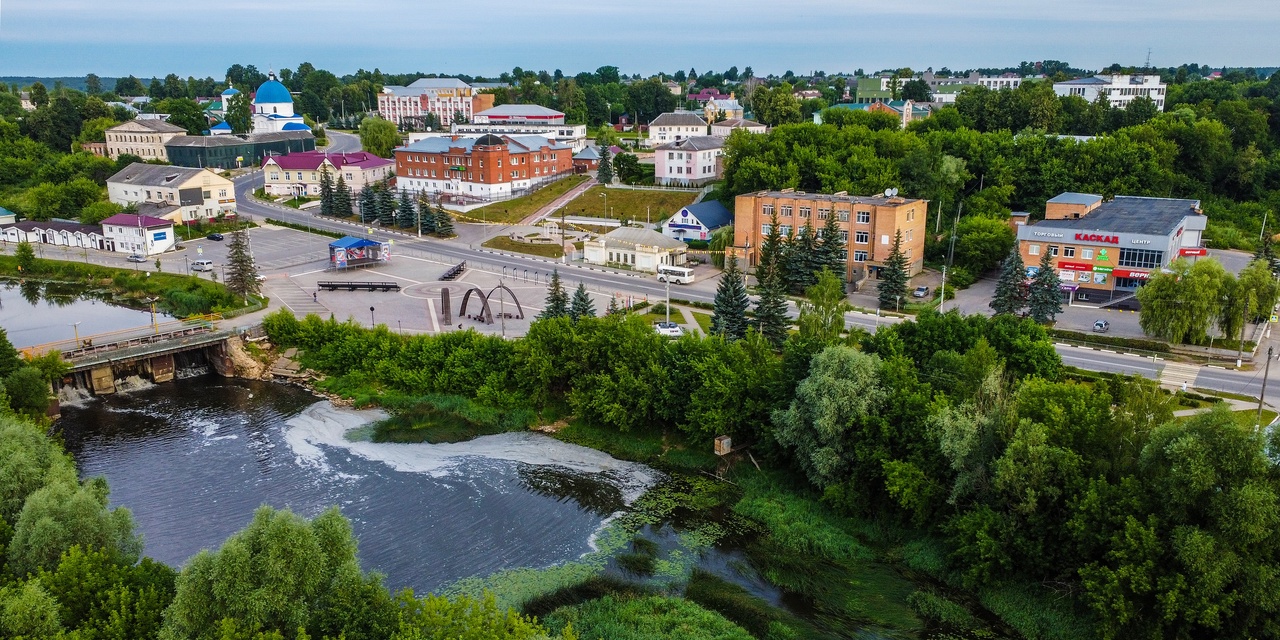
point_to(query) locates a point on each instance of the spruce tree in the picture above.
(444, 222)
(342, 199)
(242, 273)
(1267, 253)
(613, 310)
(368, 204)
(772, 249)
(426, 216)
(326, 192)
(386, 205)
(1011, 291)
(1045, 299)
(894, 276)
(771, 308)
(604, 175)
(831, 249)
(581, 306)
(557, 305)
(406, 213)
(729, 318)
(801, 265)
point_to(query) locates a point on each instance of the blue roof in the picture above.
(221, 126)
(295, 126)
(231, 91)
(272, 92)
(1075, 198)
(351, 242)
(710, 213)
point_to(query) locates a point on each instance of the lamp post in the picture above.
(186, 264)
(897, 304)
(76, 327)
(372, 323)
(154, 327)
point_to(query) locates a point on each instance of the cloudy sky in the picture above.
(486, 37)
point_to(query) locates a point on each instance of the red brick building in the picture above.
(487, 167)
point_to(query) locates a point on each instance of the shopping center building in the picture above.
(1111, 247)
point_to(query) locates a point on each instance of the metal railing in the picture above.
(98, 343)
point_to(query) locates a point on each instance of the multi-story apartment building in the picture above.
(1119, 89)
(446, 98)
(689, 162)
(670, 127)
(481, 168)
(142, 138)
(868, 225)
(197, 193)
(299, 174)
(521, 119)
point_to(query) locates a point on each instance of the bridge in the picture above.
(96, 361)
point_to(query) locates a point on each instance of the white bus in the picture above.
(678, 275)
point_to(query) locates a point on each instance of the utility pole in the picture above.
(1265, 372)
(1243, 314)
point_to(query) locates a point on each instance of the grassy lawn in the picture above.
(297, 203)
(518, 209)
(630, 204)
(192, 231)
(503, 243)
(704, 321)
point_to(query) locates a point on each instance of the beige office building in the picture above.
(142, 138)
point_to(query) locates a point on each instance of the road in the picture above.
(1244, 382)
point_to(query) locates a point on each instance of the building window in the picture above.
(767, 209)
(862, 237)
(784, 229)
(804, 212)
(911, 215)
(786, 211)
(884, 239)
(859, 256)
(864, 217)
(1068, 252)
(823, 213)
(1053, 250)
(1141, 258)
(1033, 250)
(765, 229)
(842, 216)
(1087, 254)
(844, 236)
(844, 254)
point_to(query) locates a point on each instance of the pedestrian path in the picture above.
(1179, 374)
(1236, 405)
(559, 203)
(284, 290)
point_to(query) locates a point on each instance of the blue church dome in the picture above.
(231, 91)
(272, 92)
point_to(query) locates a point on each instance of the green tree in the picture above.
(378, 136)
(893, 276)
(981, 242)
(92, 84)
(831, 251)
(62, 514)
(581, 306)
(916, 90)
(822, 314)
(800, 260)
(239, 113)
(406, 213)
(186, 113)
(326, 192)
(342, 199)
(604, 174)
(557, 305)
(29, 612)
(386, 205)
(1261, 288)
(242, 272)
(426, 216)
(9, 360)
(28, 391)
(1267, 253)
(369, 203)
(1011, 290)
(729, 318)
(26, 257)
(771, 306)
(39, 95)
(444, 222)
(1180, 303)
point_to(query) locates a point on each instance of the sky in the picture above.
(485, 37)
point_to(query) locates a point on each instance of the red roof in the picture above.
(311, 160)
(131, 220)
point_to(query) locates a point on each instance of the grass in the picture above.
(644, 618)
(442, 418)
(629, 204)
(667, 450)
(297, 203)
(517, 209)
(202, 229)
(503, 243)
(704, 321)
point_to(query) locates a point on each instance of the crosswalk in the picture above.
(301, 303)
(1177, 374)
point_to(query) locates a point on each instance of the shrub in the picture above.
(941, 611)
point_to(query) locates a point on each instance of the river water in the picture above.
(35, 313)
(192, 459)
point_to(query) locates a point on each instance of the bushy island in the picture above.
(944, 478)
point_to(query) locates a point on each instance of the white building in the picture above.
(697, 221)
(517, 120)
(142, 138)
(63, 234)
(198, 193)
(127, 233)
(634, 247)
(443, 97)
(690, 162)
(299, 174)
(1119, 89)
(679, 125)
(724, 128)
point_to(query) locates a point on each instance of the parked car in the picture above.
(202, 265)
(668, 329)
(1101, 326)
(214, 236)
(136, 257)
(920, 292)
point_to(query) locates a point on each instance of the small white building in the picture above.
(199, 193)
(723, 128)
(128, 233)
(697, 221)
(690, 162)
(679, 125)
(635, 248)
(1120, 89)
(62, 234)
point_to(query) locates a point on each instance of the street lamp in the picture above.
(372, 323)
(897, 304)
(154, 327)
(76, 327)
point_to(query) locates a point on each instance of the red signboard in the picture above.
(1128, 273)
(1097, 237)
(1075, 266)
(1193, 251)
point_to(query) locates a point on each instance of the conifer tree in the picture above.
(581, 306)
(326, 192)
(342, 199)
(1045, 299)
(444, 222)
(557, 305)
(604, 174)
(832, 248)
(771, 308)
(772, 248)
(406, 213)
(426, 216)
(368, 204)
(242, 273)
(1267, 253)
(729, 318)
(386, 205)
(894, 276)
(801, 260)
(1011, 290)
(614, 309)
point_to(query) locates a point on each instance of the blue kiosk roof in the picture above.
(350, 242)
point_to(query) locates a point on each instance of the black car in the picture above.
(214, 236)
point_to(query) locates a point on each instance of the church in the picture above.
(272, 110)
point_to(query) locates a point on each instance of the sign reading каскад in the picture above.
(1097, 237)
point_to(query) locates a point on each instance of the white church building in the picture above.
(272, 110)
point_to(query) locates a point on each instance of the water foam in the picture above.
(74, 396)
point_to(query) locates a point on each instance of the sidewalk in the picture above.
(1236, 405)
(559, 203)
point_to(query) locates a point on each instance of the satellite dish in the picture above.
(891, 192)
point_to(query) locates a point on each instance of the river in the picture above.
(35, 313)
(192, 459)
